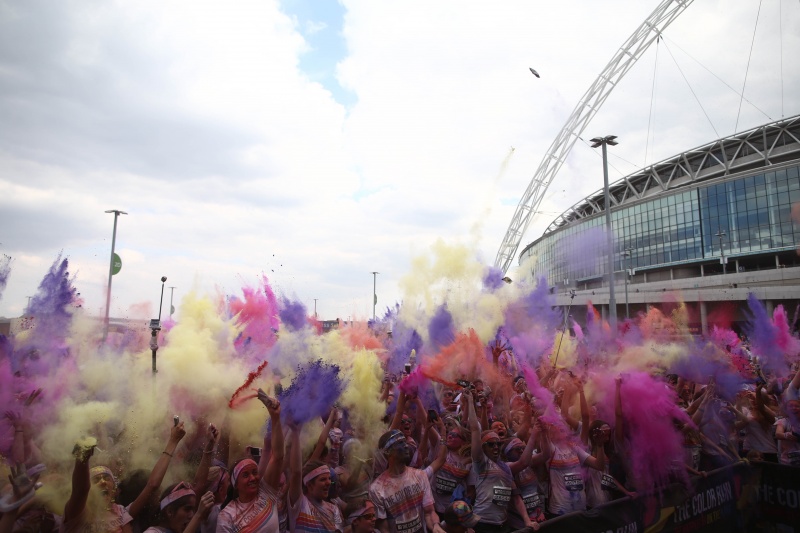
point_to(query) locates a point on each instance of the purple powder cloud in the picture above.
(293, 314)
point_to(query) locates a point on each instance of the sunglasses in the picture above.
(455, 435)
(370, 517)
(493, 444)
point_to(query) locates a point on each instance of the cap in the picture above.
(460, 513)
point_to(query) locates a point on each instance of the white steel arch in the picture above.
(590, 103)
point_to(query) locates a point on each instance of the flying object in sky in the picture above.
(534, 73)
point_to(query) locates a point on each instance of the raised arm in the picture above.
(475, 427)
(441, 456)
(272, 472)
(598, 460)
(316, 455)
(295, 467)
(81, 484)
(527, 455)
(401, 408)
(176, 433)
(762, 408)
(201, 476)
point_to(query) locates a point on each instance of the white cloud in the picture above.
(196, 119)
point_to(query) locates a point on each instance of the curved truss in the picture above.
(620, 64)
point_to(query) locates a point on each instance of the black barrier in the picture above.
(738, 498)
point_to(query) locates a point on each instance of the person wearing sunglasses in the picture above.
(492, 478)
(401, 494)
(360, 514)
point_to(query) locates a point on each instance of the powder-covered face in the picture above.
(247, 482)
(180, 516)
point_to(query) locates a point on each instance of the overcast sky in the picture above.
(315, 141)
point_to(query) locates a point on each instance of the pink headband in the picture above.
(489, 436)
(368, 506)
(181, 489)
(513, 443)
(316, 472)
(239, 467)
(97, 470)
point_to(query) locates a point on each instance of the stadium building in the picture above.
(706, 227)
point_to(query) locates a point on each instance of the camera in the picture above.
(464, 384)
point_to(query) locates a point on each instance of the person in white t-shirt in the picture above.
(401, 494)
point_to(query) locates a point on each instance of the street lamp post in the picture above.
(155, 326)
(721, 234)
(612, 302)
(627, 254)
(374, 293)
(315, 307)
(117, 213)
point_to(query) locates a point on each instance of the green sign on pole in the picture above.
(116, 264)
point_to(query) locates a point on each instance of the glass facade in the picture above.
(745, 215)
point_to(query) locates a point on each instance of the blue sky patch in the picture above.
(320, 22)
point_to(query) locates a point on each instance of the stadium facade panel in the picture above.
(674, 222)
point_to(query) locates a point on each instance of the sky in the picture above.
(315, 142)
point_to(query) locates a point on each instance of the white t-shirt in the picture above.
(402, 499)
(109, 521)
(494, 486)
(566, 479)
(257, 516)
(307, 516)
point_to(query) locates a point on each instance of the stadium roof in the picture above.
(766, 145)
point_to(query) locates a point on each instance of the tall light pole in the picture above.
(315, 307)
(374, 293)
(155, 326)
(627, 254)
(721, 234)
(612, 302)
(117, 213)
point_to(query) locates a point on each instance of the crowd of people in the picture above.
(458, 433)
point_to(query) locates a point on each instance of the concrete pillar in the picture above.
(604, 312)
(704, 318)
(702, 270)
(770, 305)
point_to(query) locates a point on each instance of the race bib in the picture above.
(794, 458)
(607, 482)
(445, 485)
(409, 526)
(501, 495)
(532, 502)
(573, 482)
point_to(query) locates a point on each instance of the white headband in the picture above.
(181, 489)
(316, 472)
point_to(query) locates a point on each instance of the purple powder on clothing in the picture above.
(314, 390)
(293, 314)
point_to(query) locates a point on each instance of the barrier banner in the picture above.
(710, 506)
(776, 495)
(739, 498)
(621, 516)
